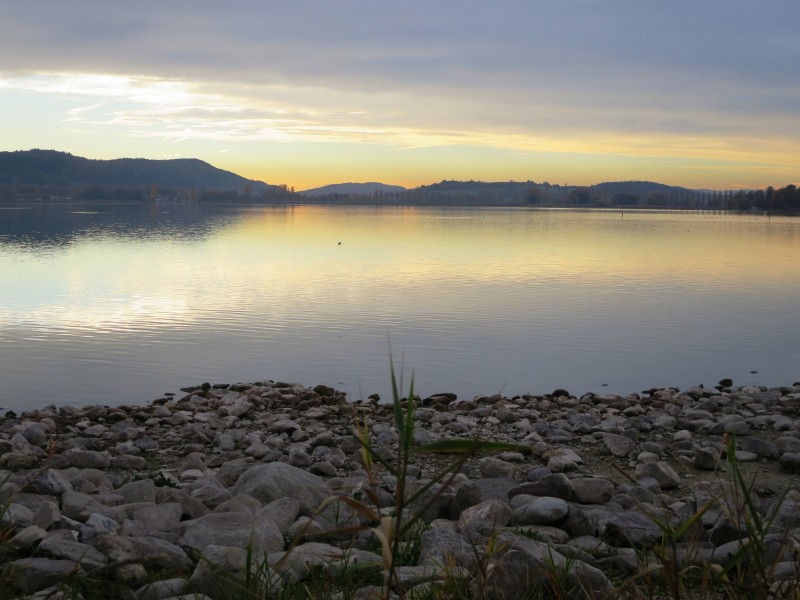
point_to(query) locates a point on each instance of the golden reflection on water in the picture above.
(280, 261)
(487, 245)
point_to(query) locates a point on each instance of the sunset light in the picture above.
(497, 95)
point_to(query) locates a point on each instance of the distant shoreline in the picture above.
(22, 204)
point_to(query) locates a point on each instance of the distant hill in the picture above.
(638, 188)
(53, 169)
(361, 189)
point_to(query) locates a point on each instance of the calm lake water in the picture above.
(119, 304)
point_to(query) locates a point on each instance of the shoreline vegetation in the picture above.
(278, 490)
(781, 201)
(49, 176)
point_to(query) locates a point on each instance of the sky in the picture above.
(699, 93)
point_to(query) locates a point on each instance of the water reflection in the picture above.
(99, 300)
(52, 225)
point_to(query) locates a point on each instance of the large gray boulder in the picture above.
(234, 529)
(541, 511)
(49, 482)
(166, 588)
(276, 480)
(79, 506)
(150, 520)
(592, 490)
(135, 556)
(618, 445)
(630, 528)
(31, 574)
(494, 513)
(60, 548)
(220, 566)
(666, 477)
(446, 548)
(523, 565)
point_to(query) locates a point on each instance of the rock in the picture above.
(134, 555)
(323, 469)
(619, 445)
(211, 496)
(736, 427)
(790, 462)
(238, 530)
(299, 457)
(17, 515)
(88, 557)
(707, 459)
(788, 444)
(135, 463)
(193, 460)
(19, 459)
(36, 434)
(443, 548)
(212, 575)
(283, 512)
(138, 491)
(538, 473)
(630, 528)
(31, 574)
(49, 482)
(591, 490)
(88, 459)
(760, 446)
(541, 511)
(661, 472)
(557, 485)
(26, 538)
(559, 463)
(166, 588)
(647, 457)
(262, 457)
(191, 508)
(78, 506)
(491, 467)
(235, 405)
(97, 525)
(494, 513)
(682, 435)
(583, 519)
(243, 503)
(278, 480)
(284, 426)
(151, 520)
(521, 565)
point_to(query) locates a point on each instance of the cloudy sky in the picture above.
(702, 93)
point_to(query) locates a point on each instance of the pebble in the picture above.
(97, 485)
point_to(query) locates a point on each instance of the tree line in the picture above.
(610, 195)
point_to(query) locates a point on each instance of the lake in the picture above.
(119, 304)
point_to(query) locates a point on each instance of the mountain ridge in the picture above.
(56, 169)
(54, 175)
(369, 187)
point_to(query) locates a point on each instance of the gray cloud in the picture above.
(679, 66)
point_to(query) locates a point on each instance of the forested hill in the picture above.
(371, 187)
(638, 188)
(53, 169)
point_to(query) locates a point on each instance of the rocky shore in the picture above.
(169, 499)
